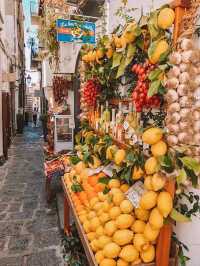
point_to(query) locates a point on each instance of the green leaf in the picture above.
(140, 42)
(191, 163)
(104, 180)
(182, 176)
(153, 25)
(76, 187)
(130, 157)
(154, 87)
(154, 74)
(152, 48)
(74, 159)
(164, 56)
(106, 190)
(116, 59)
(121, 68)
(193, 177)
(178, 217)
(130, 54)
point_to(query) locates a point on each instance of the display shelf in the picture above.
(69, 206)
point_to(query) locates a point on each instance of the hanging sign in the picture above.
(75, 31)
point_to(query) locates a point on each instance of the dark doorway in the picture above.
(6, 123)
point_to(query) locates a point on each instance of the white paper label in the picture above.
(71, 123)
(95, 171)
(126, 125)
(135, 193)
(108, 170)
(134, 139)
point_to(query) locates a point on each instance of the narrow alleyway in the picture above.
(29, 233)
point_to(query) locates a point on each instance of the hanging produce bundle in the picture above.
(90, 92)
(60, 88)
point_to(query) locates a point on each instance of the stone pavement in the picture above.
(29, 232)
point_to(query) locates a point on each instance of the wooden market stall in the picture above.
(164, 247)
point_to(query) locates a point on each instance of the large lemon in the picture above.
(142, 214)
(102, 241)
(79, 167)
(161, 48)
(157, 182)
(138, 226)
(110, 228)
(124, 221)
(156, 219)
(100, 231)
(150, 233)
(120, 156)
(118, 198)
(159, 149)
(111, 250)
(99, 256)
(129, 253)
(114, 212)
(123, 237)
(114, 183)
(140, 242)
(126, 206)
(148, 255)
(108, 262)
(91, 236)
(87, 227)
(124, 188)
(152, 135)
(147, 182)
(121, 262)
(151, 166)
(94, 223)
(104, 217)
(148, 200)
(94, 245)
(164, 203)
(166, 18)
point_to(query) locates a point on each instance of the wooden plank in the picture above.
(84, 240)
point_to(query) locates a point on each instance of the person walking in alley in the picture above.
(35, 116)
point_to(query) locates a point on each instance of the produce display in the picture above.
(137, 150)
(60, 88)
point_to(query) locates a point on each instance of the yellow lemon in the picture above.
(140, 242)
(114, 183)
(111, 250)
(104, 217)
(142, 214)
(94, 223)
(124, 188)
(94, 245)
(151, 166)
(129, 253)
(138, 226)
(123, 237)
(159, 149)
(83, 218)
(152, 135)
(126, 206)
(114, 212)
(100, 231)
(161, 48)
(97, 206)
(148, 255)
(121, 262)
(150, 233)
(158, 182)
(120, 156)
(103, 241)
(124, 221)
(166, 18)
(91, 215)
(137, 173)
(102, 196)
(93, 201)
(110, 227)
(108, 262)
(156, 219)
(118, 198)
(148, 200)
(164, 203)
(91, 236)
(99, 256)
(147, 182)
(86, 226)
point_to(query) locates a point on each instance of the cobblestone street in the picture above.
(29, 232)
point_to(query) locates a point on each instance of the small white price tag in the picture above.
(95, 171)
(145, 146)
(135, 193)
(126, 125)
(108, 170)
(71, 123)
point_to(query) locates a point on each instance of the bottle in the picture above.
(119, 124)
(97, 117)
(113, 123)
(101, 122)
(106, 119)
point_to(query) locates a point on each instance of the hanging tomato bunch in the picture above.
(140, 92)
(90, 92)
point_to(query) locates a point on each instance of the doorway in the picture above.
(6, 123)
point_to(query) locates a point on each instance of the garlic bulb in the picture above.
(197, 138)
(196, 151)
(186, 56)
(183, 67)
(183, 137)
(174, 107)
(172, 83)
(174, 72)
(184, 101)
(197, 94)
(186, 44)
(196, 126)
(197, 104)
(173, 128)
(175, 117)
(197, 80)
(172, 140)
(184, 112)
(182, 89)
(196, 115)
(175, 58)
(171, 96)
(184, 77)
(184, 125)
